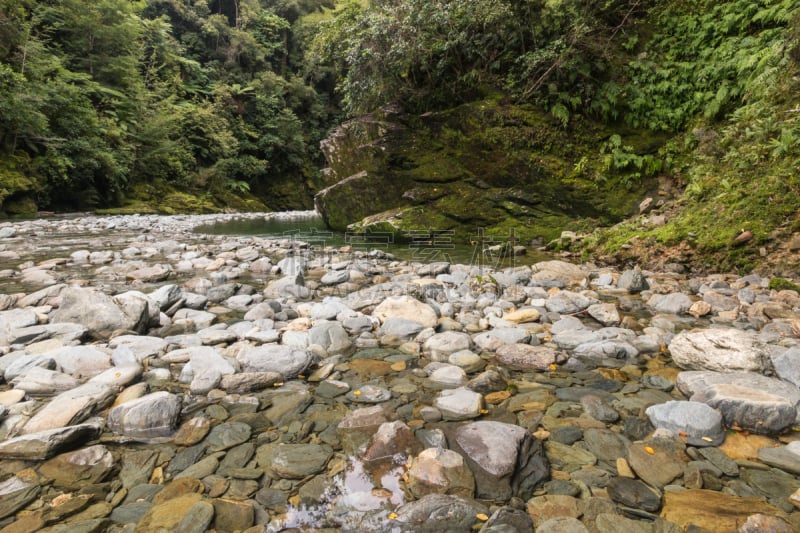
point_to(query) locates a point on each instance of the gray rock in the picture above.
(440, 471)
(505, 459)
(609, 352)
(605, 444)
(787, 365)
(567, 302)
(331, 336)
(701, 424)
(244, 382)
(80, 361)
(40, 381)
(286, 360)
(633, 281)
(722, 350)
(408, 308)
(606, 314)
(435, 513)
(142, 346)
(16, 493)
(166, 296)
(227, 435)
(401, 328)
(675, 303)
(369, 394)
(44, 444)
(99, 313)
(150, 417)
(71, 407)
(527, 357)
(335, 277)
(441, 345)
(459, 404)
(562, 524)
(787, 458)
(634, 493)
(752, 401)
(296, 461)
(21, 363)
(560, 271)
(448, 377)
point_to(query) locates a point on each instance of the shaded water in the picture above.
(423, 245)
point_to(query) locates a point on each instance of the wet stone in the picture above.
(369, 394)
(227, 435)
(634, 493)
(296, 461)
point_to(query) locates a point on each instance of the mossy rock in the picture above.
(486, 165)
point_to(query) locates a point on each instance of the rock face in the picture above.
(505, 459)
(722, 350)
(387, 176)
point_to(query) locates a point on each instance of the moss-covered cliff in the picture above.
(487, 164)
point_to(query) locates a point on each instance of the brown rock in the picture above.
(712, 510)
(543, 508)
(370, 368)
(439, 471)
(179, 487)
(230, 515)
(192, 431)
(167, 515)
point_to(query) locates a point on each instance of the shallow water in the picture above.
(423, 245)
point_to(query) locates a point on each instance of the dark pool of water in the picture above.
(424, 246)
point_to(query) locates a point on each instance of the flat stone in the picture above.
(227, 435)
(296, 461)
(787, 365)
(15, 493)
(391, 441)
(712, 510)
(71, 407)
(606, 314)
(634, 493)
(149, 417)
(439, 512)
(605, 444)
(522, 316)
(567, 302)
(358, 426)
(700, 423)
(369, 394)
(675, 303)
(562, 524)
(440, 345)
(459, 404)
(720, 349)
(658, 468)
(285, 360)
(44, 444)
(560, 455)
(633, 281)
(406, 307)
(168, 515)
(72, 470)
(526, 357)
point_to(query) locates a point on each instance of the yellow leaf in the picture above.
(481, 516)
(392, 516)
(649, 450)
(707, 439)
(553, 366)
(484, 411)
(357, 393)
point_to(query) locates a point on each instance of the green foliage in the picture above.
(98, 97)
(783, 284)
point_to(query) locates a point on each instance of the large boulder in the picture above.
(505, 459)
(101, 314)
(721, 350)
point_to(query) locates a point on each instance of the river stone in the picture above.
(435, 513)
(73, 470)
(358, 426)
(761, 523)
(497, 337)
(562, 524)
(605, 444)
(700, 423)
(406, 307)
(296, 461)
(447, 377)
(197, 519)
(40, 381)
(786, 458)
(99, 313)
(505, 459)
(674, 303)
(526, 357)
(245, 382)
(787, 365)
(227, 435)
(286, 360)
(401, 328)
(142, 346)
(610, 352)
(614, 523)
(169, 514)
(459, 404)
(369, 394)
(150, 417)
(150, 274)
(231, 515)
(71, 407)
(522, 316)
(561, 271)
(660, 468)
(606, 314)
(391, 441)
(440, 471)
(634, 493)
(80, 361)
(599, 408)
(749, 407)
(15, 493)
(335, 277)
(332, 337)
(568, 302)
(712, 510)
(543, 508)
(440, 345)
(44, 444)
(633, 281)
(722, 350)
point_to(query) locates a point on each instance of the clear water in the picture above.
(424, 246)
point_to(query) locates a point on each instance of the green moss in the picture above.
(783, 284)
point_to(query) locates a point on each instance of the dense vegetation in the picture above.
(708, 89)
(114, 101)
(207, 104)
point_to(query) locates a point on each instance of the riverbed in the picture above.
(158, 376)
